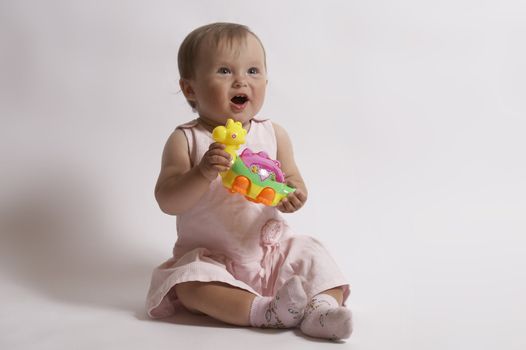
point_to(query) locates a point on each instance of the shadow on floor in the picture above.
(56, 239)
(184, 317)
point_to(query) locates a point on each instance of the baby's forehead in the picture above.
(225, 45)
(212, 52)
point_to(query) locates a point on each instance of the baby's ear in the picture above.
(187, 89)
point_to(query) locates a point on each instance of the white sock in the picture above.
(325, 318)
(284, 310)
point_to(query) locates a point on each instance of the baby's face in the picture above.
(230, 81)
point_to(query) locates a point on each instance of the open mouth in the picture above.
(239, 99)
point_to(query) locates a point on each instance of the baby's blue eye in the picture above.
(223, 70)
(253, 70)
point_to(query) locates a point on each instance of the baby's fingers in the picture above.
(300, 195)
(285, 206)
(216, 145)
(295, 201)
(214, 159)
(217, 157)
(292, 202)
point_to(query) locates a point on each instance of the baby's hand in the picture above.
(214, 161)
(292, 202)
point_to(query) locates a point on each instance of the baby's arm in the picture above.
(180, 185)
(297, 199)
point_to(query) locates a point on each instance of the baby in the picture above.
(235, 260)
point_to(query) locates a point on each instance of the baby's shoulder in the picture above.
(263, 123)
(260, 119)
(188, 125)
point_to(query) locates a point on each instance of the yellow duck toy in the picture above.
(232, 135)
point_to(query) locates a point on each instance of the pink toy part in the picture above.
(263, 165)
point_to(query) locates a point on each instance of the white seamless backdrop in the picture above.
(408, 122)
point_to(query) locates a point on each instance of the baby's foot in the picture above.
(284, 310)
(324, 318)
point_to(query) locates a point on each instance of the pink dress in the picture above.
(225, 238)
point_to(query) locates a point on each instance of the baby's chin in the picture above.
(238, 117)
(242, 117)
(213, 121)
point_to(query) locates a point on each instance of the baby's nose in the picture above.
(240, 82)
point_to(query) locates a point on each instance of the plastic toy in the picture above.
(254, 175)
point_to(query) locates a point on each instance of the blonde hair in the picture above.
(213, 34)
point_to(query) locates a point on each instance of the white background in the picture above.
(408, 120)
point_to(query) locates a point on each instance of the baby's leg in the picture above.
(336, 293)
(239, 307)
(326, 318)
(218, 300)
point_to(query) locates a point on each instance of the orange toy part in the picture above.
(240, 185)
(266, 196)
